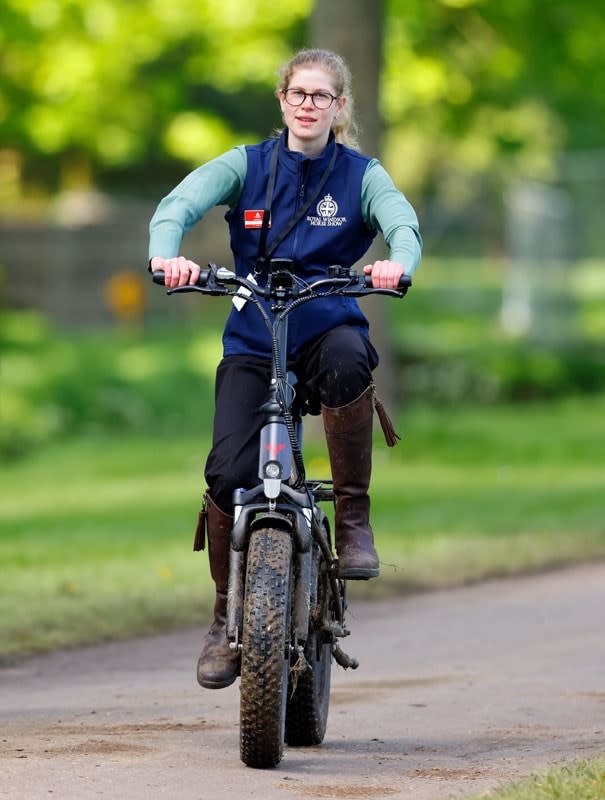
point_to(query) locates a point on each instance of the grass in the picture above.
(581, 780)
(100, 495)
(98, 546)
(448, 340)
(96, 532)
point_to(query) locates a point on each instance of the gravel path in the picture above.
(457, 692)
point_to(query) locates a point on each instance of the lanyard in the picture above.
(263, 253)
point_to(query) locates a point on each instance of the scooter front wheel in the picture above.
(265, 648)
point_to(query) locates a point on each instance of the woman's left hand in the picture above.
(385, 274)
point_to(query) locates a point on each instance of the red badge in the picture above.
(254, 219)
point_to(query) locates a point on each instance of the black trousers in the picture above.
(333, 370)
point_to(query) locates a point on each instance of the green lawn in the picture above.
(96, 532)
(582, 780)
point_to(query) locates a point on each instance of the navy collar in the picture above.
(292, 159)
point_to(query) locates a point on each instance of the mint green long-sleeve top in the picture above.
(220, 181)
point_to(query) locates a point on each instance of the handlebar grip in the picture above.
(405, 281)
(158, 277)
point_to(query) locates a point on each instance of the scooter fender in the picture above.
(257, 516)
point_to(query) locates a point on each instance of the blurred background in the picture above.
(491, 119)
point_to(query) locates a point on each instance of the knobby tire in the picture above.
(265, 648)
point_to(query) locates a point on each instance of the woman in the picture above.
(326, 201)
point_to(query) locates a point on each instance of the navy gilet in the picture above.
(331, 232)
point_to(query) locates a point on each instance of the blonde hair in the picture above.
(344, 127)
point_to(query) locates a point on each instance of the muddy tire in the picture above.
(309, 693)
(265, 648)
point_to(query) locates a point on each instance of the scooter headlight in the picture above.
(272, 469)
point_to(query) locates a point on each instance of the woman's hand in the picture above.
(385, 274)
(178, 271)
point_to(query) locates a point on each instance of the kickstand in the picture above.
(344, 660)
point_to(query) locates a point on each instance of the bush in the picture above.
(450, 343)
(508, 373)
(55, 384)
(453, 348)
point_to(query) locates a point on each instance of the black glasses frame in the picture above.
(312, 95)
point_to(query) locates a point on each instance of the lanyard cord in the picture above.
(263, 253)
(262, 244)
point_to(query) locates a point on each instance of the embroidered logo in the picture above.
(327, 209)
(254, 219)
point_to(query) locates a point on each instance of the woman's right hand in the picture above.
(178, 271)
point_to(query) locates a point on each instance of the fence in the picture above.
(69, 271)
(84, 271)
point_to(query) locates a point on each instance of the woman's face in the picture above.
(308, 126)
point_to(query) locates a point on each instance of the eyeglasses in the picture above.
(321, 100)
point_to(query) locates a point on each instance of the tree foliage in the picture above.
(131, 93)
(476, 87)
(109, 85)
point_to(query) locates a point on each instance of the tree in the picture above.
(365, 61)
(477, 91)
(363, 55)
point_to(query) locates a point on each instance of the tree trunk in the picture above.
(353, 28)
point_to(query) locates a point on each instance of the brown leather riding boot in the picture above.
(218, 665)
(349, 438)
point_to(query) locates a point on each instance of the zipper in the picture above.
(304, 174)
